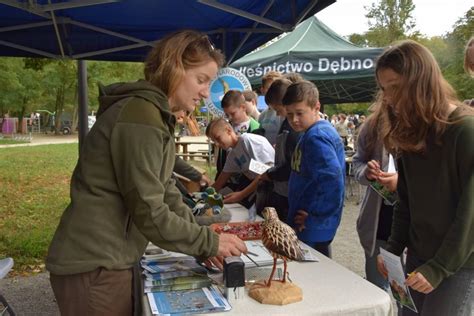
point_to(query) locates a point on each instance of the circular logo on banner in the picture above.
(227, 79)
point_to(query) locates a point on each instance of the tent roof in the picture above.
(125, 30)
(342, 71)
(310, 36)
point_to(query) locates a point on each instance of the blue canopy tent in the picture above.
(126, 30)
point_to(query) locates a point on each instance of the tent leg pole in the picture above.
(83, 110)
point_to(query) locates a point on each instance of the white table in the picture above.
(328, 289)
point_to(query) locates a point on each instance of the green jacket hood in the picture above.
(111, 94)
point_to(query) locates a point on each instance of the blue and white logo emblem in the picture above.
(227, 79)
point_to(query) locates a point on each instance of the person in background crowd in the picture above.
(235, 108)
(251, 104)
(122, 195)
(269, 121)
(245, 147)
(233, 104)
(293, 76)
(370, 163)
(274, 185)
(342, 129)
(316, 185)
(431, 133)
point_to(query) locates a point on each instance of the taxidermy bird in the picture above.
(280, 239)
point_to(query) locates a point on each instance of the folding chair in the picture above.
(5, 266)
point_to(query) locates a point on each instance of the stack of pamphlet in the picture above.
(178, 284)
(174, 273)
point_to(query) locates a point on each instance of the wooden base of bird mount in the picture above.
(277, 293)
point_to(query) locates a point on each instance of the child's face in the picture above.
(223, 138)
(236, 114)
(301, 116)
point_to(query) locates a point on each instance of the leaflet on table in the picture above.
(258, 255)
(171, 275)
(396, 279)
(194, 284)
(308, 253)
(174, 264)
(154, 253)
(204, 300)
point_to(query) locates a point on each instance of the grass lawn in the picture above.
(34, 190)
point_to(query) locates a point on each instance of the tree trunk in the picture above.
(59, 109)
(21, 115)
(75, 111)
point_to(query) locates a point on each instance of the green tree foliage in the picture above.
(109, 72)
(390, 20)
(31, 84)
(20, 87)
(456, 41)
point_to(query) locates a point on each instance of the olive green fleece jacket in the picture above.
(122, 194)
(435, 215)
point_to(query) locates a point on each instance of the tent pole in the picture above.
(83, 106)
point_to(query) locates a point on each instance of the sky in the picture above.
(432, 17)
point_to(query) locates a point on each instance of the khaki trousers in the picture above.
(99, 292)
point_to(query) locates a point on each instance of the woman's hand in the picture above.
(373, 170)
(233, 197)
(388, 180)
(419, 283)
(300, 219)
(230, 245)
(381, 267)
(205, 181)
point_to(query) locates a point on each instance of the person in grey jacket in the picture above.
(375, 218)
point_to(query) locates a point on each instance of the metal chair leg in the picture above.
(7, 308)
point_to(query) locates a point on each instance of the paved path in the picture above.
(47, 139)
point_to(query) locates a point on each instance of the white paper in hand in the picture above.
(258, 167)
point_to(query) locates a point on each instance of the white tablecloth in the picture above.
(328, 289)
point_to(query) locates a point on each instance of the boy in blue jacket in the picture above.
(316, 186)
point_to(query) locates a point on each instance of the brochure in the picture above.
(257, 255)
(204, 300)
(396, 278)
(308, 254)
(390, 198)
(148, 287)
(258, 167)
(171, 275)
(172, 265)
